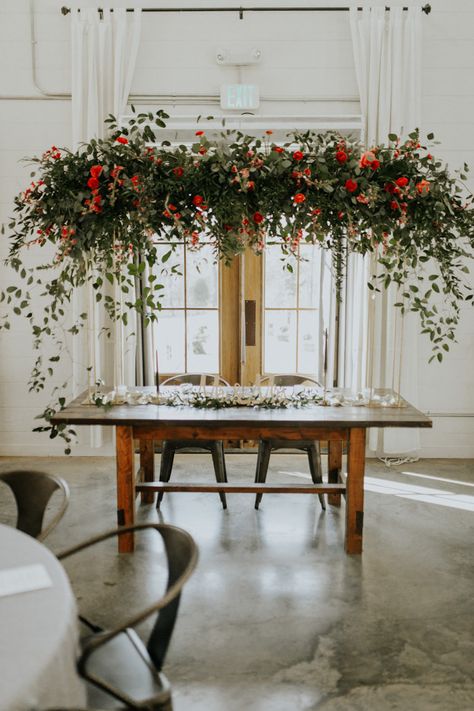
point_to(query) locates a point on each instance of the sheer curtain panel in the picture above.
(387, 54)
(104, 51)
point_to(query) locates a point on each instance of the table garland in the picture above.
(265, 398)
(211, 398)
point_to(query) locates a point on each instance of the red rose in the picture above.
(199, 133)
(375, 164)
(278, 149)
(394, 205)
(258, 217)
(351, 185)
(341, 157)
(178, 171)
(268, 132)
(122, 139)
(389, 187)
(96, 170)
(202, 150)
(250, 185)
(93, 183)
(172, 207)
(340, 214)
(135, 179)
(299, 198)
(316, 211)
(297, 155)
(402, 182)
(198, 200)
(307, 172)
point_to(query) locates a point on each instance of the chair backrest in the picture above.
(287, 380)
(181, 553)
(32, 492)
(201, 379)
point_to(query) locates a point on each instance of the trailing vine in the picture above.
(98, 213)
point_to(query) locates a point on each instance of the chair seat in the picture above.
(124, 663)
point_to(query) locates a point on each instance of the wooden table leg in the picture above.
(125, 485)
(147, 462)
(334, 469)
(355, 490)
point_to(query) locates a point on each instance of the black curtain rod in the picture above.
(66, 10)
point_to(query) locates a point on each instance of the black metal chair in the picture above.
(116, 664)
(32, 492)
(267, 446)
(215, 447)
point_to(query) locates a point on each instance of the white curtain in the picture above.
(387, 53)
(104, 51)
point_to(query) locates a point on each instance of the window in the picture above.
(187, 332)
(291, 311)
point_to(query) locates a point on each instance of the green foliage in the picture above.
(103, 208)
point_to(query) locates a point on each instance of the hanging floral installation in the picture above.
(102, 209)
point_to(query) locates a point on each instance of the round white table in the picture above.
(38, 633)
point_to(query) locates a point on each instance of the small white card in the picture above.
(24, 579)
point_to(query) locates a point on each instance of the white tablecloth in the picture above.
(38, 634)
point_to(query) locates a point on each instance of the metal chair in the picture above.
(266, 446)
(32, 492)
(116, 664)
(215, 447)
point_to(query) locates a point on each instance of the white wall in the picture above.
(304, 55)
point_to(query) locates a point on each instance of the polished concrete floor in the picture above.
(276, 616)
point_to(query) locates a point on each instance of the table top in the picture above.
(318, 415)
(38, 641)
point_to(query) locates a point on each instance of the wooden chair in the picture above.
(216, 448)
(121, 671)
(266, 446)
(32, 492)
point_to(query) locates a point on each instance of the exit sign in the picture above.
(239, 96)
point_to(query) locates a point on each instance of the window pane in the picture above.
(203, 342)
(201, 278)
(280, 342)
(307, 342)
(309, 276)
(173, 293)
(170, 341)
(280, 284)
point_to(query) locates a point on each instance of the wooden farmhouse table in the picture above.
(344, 426)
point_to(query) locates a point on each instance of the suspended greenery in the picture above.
(103, 209)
